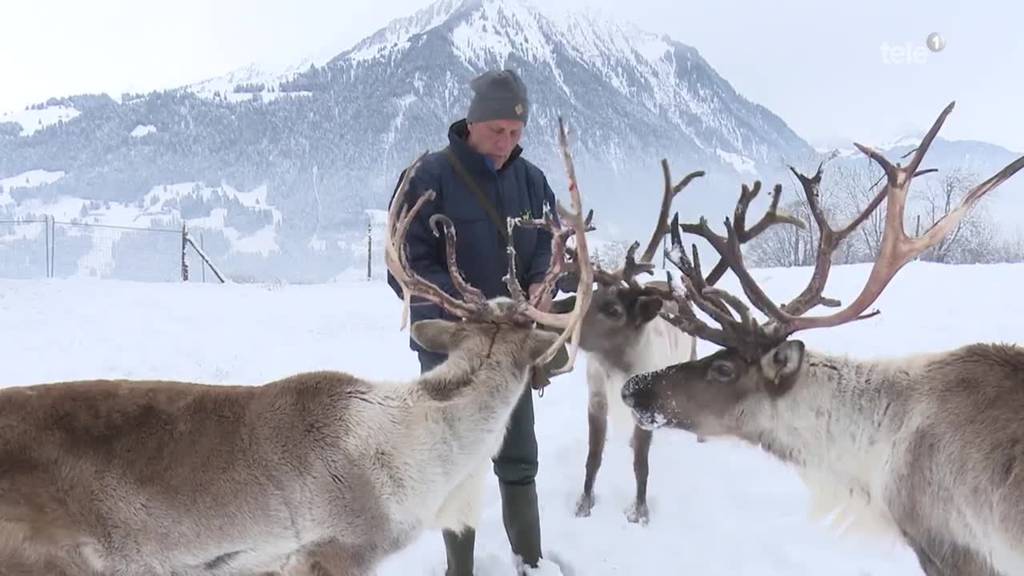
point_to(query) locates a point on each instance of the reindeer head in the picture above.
(621, 306)
(509, 324)
(707, 396)
(470, 339)
(759, 362)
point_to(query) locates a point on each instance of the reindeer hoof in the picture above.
(584, 505)
(638, 514)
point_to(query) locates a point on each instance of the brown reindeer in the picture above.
(624, 334)
(320, 473)
(929, 448)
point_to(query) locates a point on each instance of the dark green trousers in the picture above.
(516, 461)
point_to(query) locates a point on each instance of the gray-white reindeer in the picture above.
(624, 334)
(928, 448)
(321, 473)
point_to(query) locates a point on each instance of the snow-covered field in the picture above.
(160, 205)
(34, 120)
(716, 508)
(29, 179)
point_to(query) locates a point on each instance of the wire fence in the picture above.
(50, 248)
(24, 248)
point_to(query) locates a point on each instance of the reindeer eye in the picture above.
(612, 310)
(722, 371)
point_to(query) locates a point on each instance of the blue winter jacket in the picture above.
(519, 188)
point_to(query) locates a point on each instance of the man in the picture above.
(480, 179)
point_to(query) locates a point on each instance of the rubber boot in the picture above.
(459, 550)
(522, 520)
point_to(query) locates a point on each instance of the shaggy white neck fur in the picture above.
(445, 447)
(659, 344)
(837, 426)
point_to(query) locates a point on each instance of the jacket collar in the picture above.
(458, 136)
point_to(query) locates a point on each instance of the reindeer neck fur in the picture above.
(457, 423)
(485, 386)
(658, 344)
(837, 425)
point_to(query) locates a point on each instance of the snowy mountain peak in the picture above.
(397, 34)
(902, 141)
(554, 48)
(485, 33)
(574, 62)
(490, 31)
(330, 146)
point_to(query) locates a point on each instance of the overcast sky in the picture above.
(828, 69)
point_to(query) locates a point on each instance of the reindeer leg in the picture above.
(639, 514)
(597, 424)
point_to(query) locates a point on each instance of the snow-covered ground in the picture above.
(263, 241)
(34, 120)
(716, 508)
(143, 130)
(160, 205)
(29, 179)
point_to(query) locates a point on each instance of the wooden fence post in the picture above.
(184, 245)
(202, 245)
(53, 243)
(46, 225)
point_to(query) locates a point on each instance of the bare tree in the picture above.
(977, 241)
(851, 187)
(974, 238)
(609, 254)
(842, 194)
(1011, 249)
(784, 246)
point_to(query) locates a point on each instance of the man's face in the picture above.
(495, 138)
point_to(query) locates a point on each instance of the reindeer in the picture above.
(929, 448)
(319, 473)
(624, 334)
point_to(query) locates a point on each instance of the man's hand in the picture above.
(545, 303)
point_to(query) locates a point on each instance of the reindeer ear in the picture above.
(781, 366)
(669, 306)
(434, 334)
(647, 307)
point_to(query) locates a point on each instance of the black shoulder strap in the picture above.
(480, 196)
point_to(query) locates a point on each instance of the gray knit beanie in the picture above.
(498, 95)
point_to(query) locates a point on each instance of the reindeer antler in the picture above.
(632, 267)
(576, 225)
(474, 306)
(400, 216)
(743, 234)
(700, 291)
(896, 250)
(671, 190)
